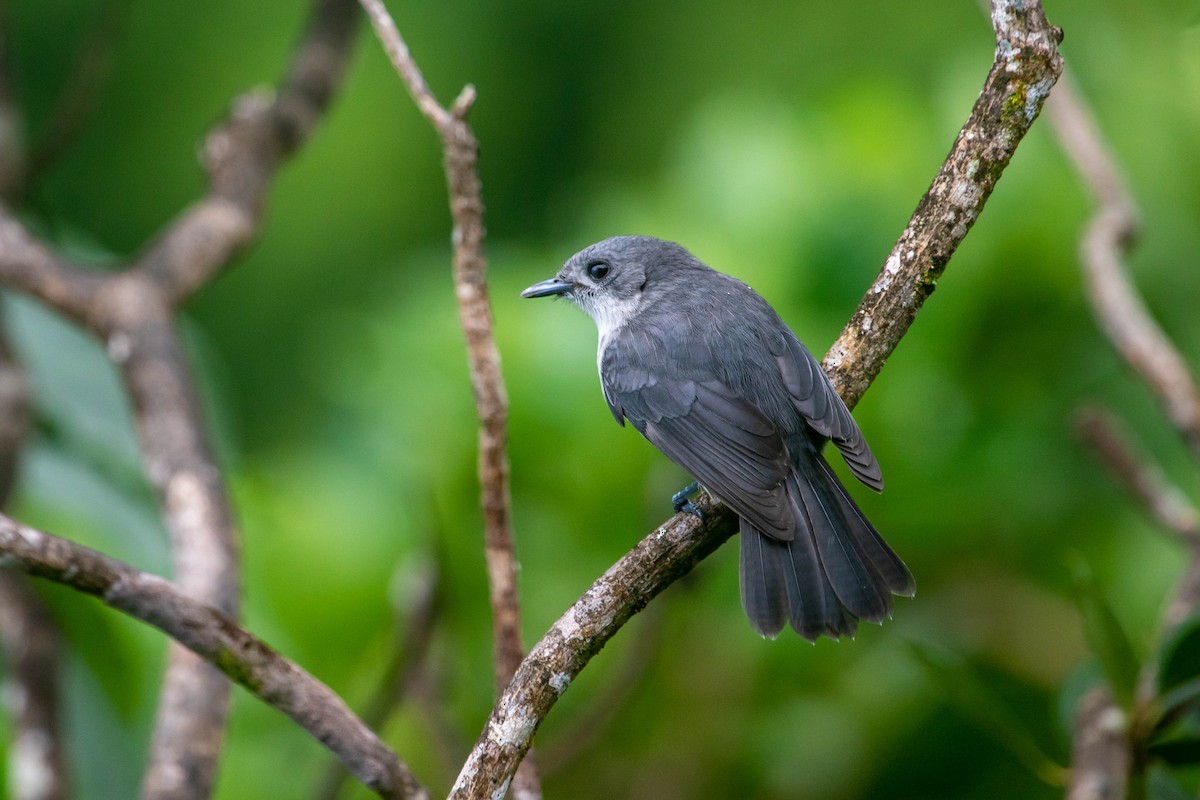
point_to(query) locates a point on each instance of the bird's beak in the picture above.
(547, 288)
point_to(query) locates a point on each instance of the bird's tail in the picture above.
(834, 572)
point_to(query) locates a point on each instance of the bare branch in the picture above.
(1115, 301)
(135, 321)
(1026, 66)
(1163, 501)
(1100, 755)
(29, 637)
(216, 638)
(461, 152)
(30, 642)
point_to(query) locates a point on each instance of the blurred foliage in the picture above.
(786, 146)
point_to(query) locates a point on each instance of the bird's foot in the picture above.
(681, 500)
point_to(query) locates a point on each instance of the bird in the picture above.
(704, 368)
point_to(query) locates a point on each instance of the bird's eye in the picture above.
(597, 270)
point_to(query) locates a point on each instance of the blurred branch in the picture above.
(1026, 65)
(215, 637)
(29, 637)
(1163, 501)
(31, 646)
(1100, 755)
(461, 151)
(1105, 740)
(1115, 301)
(131, 312)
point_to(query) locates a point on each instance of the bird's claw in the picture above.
(681, 500)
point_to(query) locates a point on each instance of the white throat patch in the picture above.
(610, 315)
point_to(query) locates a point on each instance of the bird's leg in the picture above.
(681, 500)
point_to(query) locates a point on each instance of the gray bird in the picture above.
(706, 370)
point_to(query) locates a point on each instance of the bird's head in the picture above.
(611, 279)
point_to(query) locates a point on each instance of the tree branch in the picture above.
(1100, 756)
(1025, 67)
(216, 638)
(30, 641)
(461, 152)
(130, 311)
(1115, 302)
(29, 637)
(1164, 502)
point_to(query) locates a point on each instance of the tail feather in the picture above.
(894, 574)
(762, 582)
(836, 571)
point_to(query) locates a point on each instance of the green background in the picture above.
(786, 144)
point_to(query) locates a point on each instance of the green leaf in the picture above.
(1175, 703)
(1177, 751)
(1105, 636)
(1179, 660)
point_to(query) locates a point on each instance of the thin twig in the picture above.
(461, 152)
(1120, 311)
(218, 639)
(32, 649)
(1163, 501)
(29, 637)
(1026, 66)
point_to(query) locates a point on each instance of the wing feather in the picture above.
(814, 397)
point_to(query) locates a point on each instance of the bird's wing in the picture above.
(722, 440)
(821, 406)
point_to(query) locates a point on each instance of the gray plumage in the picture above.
(706, 370)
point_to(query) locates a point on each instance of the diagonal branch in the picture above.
(461, 151)
(1025, 67)
(216, 638)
